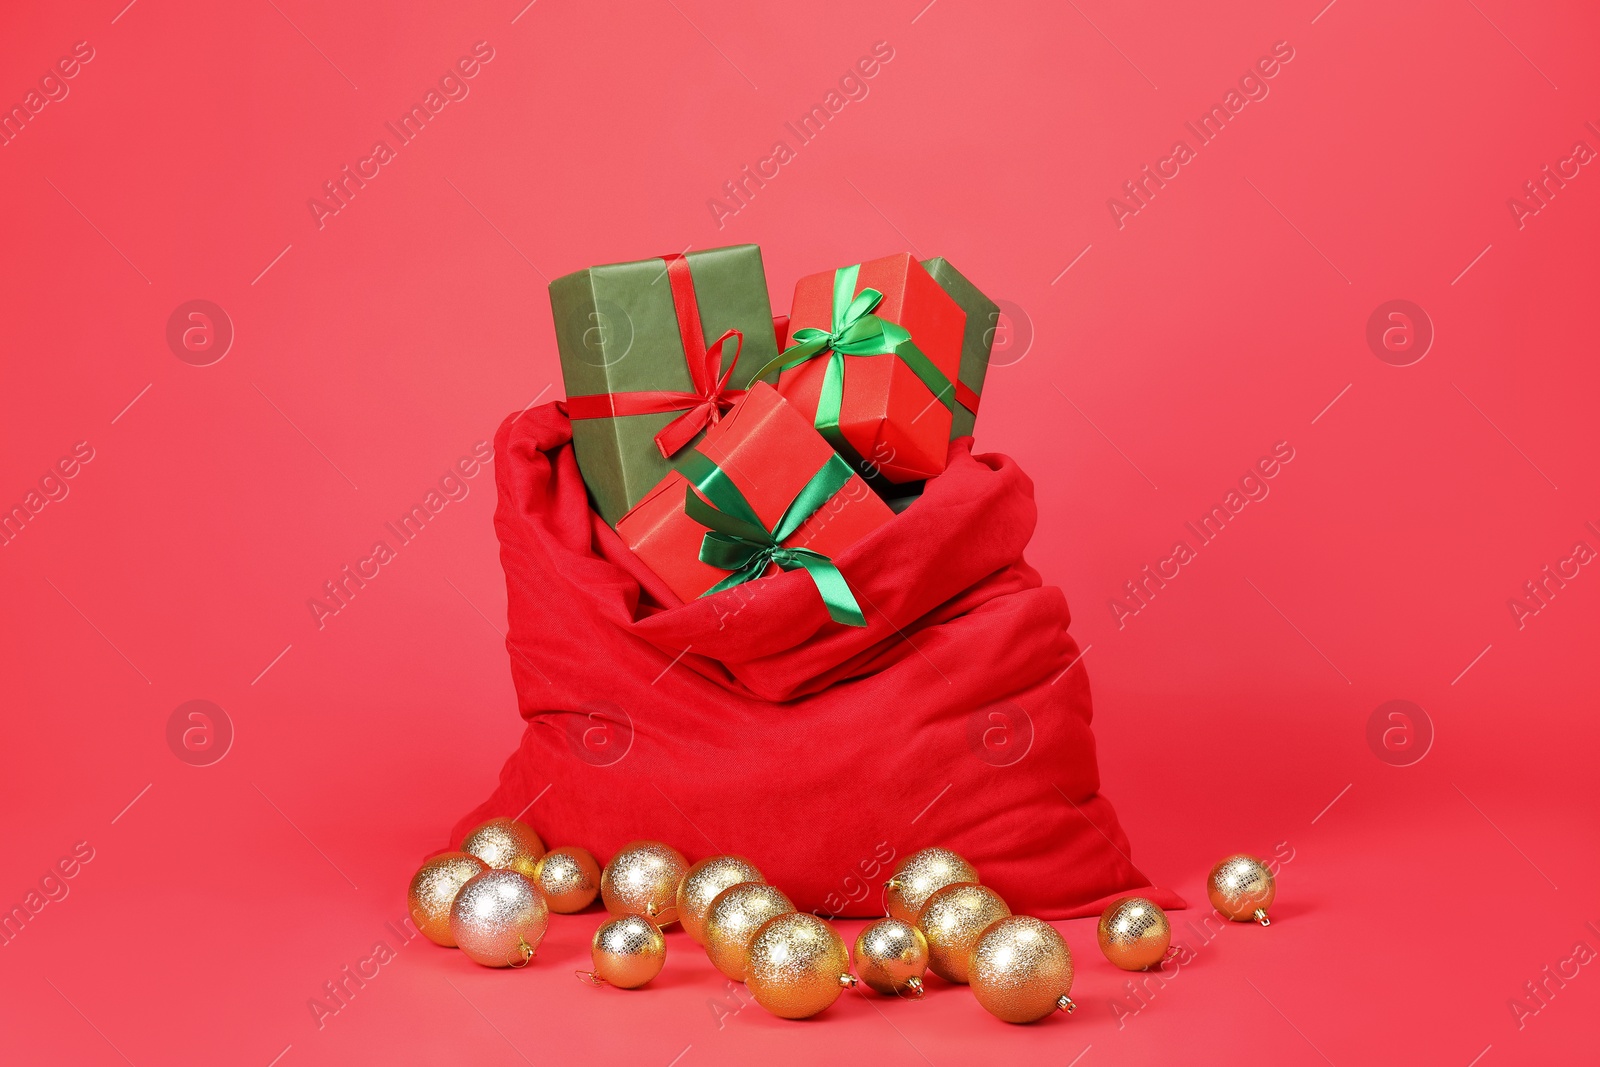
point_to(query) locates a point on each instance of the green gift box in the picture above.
(983, 315)
(653, 353)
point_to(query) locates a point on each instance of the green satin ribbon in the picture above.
(856, 332)
(738, 542)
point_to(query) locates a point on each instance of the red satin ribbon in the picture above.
(711, 397)
(966, 397)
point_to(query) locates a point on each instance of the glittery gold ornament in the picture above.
(568, 877)
(1021, 970)
(1242, 888)
(499, 918)
(505, 845)
(643, 879)
(952, 920)
(732, 919)
(891, 957)
(919, 876)
(798, 966)
(1134, 933)
(434, 888)
(627, 952)
(701, 885)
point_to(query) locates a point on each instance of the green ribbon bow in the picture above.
(737, 541)
(856, 332)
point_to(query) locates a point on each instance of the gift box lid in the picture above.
(770, 452)
(886, 413)
(617, 332)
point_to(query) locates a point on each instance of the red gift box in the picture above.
(770, 453)
(887, 413)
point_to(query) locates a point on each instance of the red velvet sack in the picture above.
(750, 723)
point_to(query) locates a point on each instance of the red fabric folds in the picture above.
(750, 723)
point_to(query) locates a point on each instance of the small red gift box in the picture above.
(895, 407)
(771, 455)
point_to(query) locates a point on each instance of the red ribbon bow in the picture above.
(711, 397)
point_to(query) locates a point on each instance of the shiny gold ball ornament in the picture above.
(627, 952)
(434, 888)
(1021, 970)
(568, 877)
(798, 966)
(1242, 888)
(952, 920)
(732, 919)
(701, 884)
(891, 957)
(505, 845)
(499, 918)
(643, 879)
(919, 876)
(1134, 933)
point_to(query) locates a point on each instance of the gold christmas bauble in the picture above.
(505, 845)
(1021, 970)
(891, 957)
(499, 918)
(798, 966)
(1242, 888)
(642, 879)
(952, 920)
(919, 876)
(732, 919)
(628, 952)
(568, 877)
(703, 882)
(434, 888)
(1134, 933)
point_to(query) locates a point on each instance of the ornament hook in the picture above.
(589, 977)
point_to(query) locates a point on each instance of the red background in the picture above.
(1166, 356)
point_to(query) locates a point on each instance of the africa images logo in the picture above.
(453, 87)
(1139, 592)
(1253, 88)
